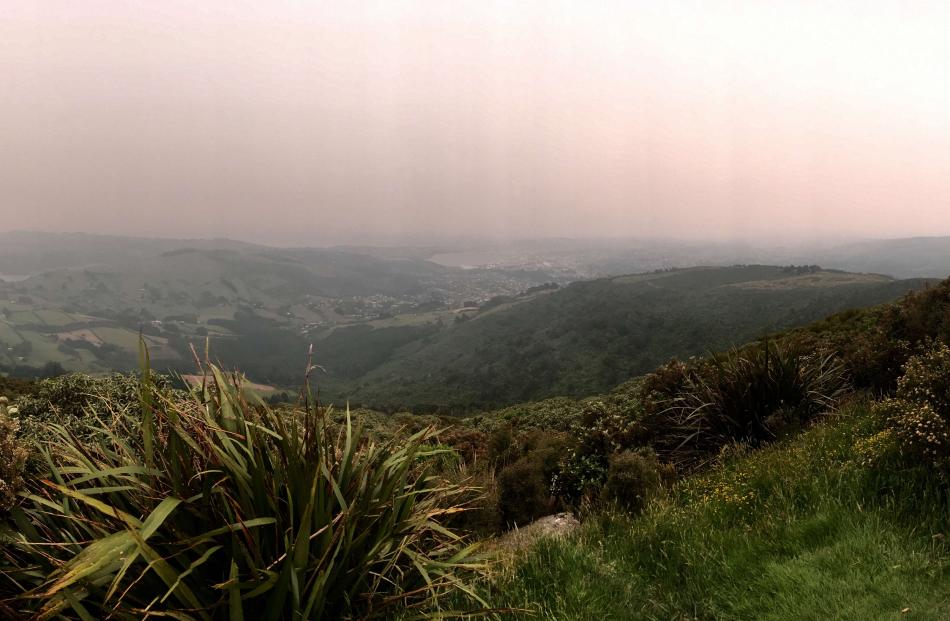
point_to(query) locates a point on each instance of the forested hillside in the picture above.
(590, 336)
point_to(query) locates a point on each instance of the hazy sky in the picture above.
(315, 122)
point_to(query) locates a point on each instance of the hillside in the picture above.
(590, 336)
(801, 530)
(903, 258)
(78, 302)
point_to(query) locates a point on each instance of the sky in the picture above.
(366, 122)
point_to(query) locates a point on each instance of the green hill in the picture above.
(590, 336)
(79, 301)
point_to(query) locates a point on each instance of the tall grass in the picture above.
(219, 507)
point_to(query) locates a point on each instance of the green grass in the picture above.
(25, 317)
(797, 531)
(55, 318)
(8, 334)
(121, 337)
(44, 348)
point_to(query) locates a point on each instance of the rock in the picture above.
(557, 525)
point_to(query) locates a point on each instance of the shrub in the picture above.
(632, 479)
(524, 486)
(867, 342)
(223, 508)
(666, 383)
(77, 401)
(555, 414)
(471, 445)
(523, 492)
(918, 417)
(875, 344)
(748, 396)
(502, 447)
(920, 431)
(12, 458)
(606, 429)
(482, 514)
(927, 378)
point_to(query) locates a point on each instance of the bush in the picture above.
(927, 378)
(918, 417)
(78, 401)
(468, 443)
(921, 433)
(633, 477)
(503, 447)
(556, 414)
(524, 486)
(748, 396)
(606, 428)
(524, 492)
(875, 344)
(12, 458)
(223, 508)
(666, 383)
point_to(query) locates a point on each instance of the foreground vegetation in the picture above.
(802, 476)
(212, 506)
(806, 529)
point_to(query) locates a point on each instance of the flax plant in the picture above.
(219, 507)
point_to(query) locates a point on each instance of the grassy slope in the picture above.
(801, 530)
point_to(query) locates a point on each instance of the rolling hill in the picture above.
(589, 336)
(79, 301)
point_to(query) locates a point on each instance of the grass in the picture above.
(799, 530)
(122, 337)
(55, 318)
(8, 334)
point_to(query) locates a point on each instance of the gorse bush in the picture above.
(221, 508)
(917, 418)
(927, 378)
(77, 402)
(13, 456)
(524, 492)
(749, 396)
